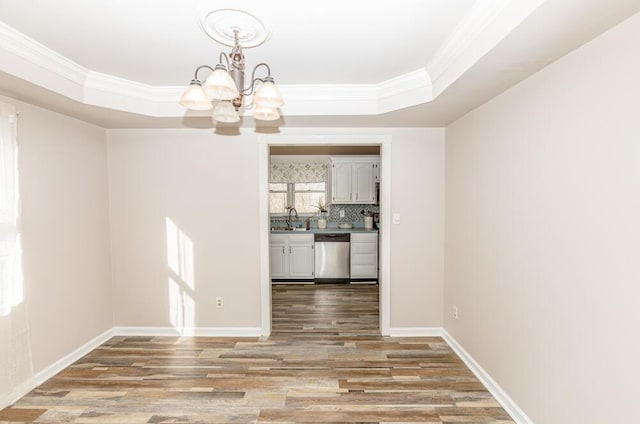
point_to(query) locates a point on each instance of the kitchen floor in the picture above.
(337, 309)
(324, 362)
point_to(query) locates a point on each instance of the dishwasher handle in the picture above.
(333, 238)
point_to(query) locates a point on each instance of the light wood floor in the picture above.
(314, 368)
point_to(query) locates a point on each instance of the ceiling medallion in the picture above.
(221, 25)
(237, 29)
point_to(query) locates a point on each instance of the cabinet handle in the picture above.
(283, 250)
(289, 249)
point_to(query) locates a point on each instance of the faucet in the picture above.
(291, 209)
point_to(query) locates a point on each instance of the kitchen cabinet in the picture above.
(291, 257)
(376, 170)
(364, 257)
(277, 248)
(353, 179)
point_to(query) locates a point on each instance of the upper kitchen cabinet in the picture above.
(353, 179)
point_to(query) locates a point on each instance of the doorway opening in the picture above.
(341, 308)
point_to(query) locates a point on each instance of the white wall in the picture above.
(207, 185)
(543, 234)
(65, 237)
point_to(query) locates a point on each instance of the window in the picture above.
(304, 197)
(278, 197)
(11, 289)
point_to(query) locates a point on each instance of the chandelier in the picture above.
(225, 85)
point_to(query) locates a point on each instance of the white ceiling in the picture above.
(123, 63)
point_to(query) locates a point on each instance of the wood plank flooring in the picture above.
(318, 370)
(325, 308)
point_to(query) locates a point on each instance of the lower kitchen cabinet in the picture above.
(291, 257)
(364, 257)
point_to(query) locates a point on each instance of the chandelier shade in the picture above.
(268, 95)
(195, 98)
(220, 86)
(225, 112)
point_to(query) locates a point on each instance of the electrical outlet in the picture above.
(341, 213)
(396, 218)
(454, 312)
(219, 302)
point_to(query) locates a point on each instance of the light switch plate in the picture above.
(396, 218)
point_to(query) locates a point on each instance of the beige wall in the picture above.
(543, 235)
(207, 185)
(65, 235)
(417, 252)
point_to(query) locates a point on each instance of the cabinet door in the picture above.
(376, 171)
(278, 260)
(341, 189)
(301, 260)
(363, 182)
(301, 257)
(278, 255)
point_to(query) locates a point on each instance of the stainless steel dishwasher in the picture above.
(332, 258)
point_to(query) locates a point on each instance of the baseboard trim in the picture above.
(42, 376)
(189, 332)
(415, 332)
(501, 396)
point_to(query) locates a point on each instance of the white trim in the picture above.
(384, 140)
(512, 408)
(263, 213)
(53, 369)
(480, 30)
(415, 332)
(188, 332)
(384, 278)
(37, 55)
(410, 89)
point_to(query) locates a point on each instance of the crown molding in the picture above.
(487, 23)
(480, 30)
(27, 59)
(121, 94)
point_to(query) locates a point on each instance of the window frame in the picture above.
(291, 197)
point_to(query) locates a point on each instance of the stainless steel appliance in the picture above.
(332, 258)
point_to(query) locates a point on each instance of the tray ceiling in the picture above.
(122, 63)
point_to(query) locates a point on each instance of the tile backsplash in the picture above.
(351, 213)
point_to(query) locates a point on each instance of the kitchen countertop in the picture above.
(325, 231)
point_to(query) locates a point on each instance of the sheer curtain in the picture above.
(16, 366)
(11, 292)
